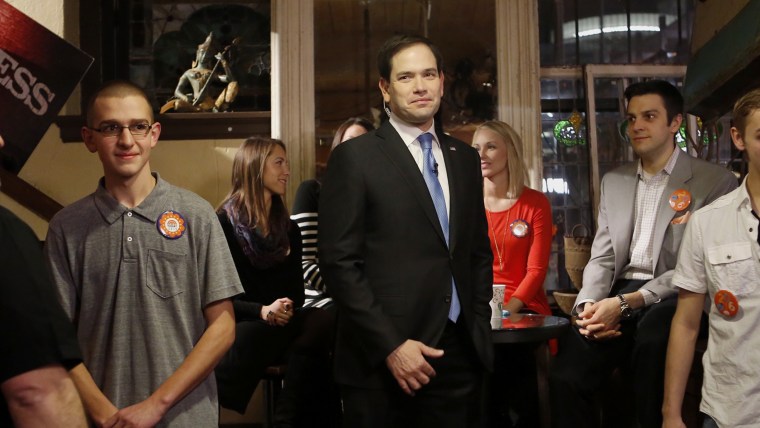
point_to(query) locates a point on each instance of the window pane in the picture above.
(614, 31)
(566, 168)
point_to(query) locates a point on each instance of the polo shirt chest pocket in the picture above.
(735, 267)
(166, 273)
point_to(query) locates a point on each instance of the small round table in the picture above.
(520, 328)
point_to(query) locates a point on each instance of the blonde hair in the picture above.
(247, 194)
(516, 172)
(744, 107)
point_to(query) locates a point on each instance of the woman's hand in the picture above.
(278, 313)
(514, 305)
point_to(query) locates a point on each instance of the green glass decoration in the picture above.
(681, 136)
(568, 132)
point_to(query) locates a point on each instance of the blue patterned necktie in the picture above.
(430, 174)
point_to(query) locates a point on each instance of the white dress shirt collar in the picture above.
(409, 133)
(669, 165)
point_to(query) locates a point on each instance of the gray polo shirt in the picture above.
(136, 296)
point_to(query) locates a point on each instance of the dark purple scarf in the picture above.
(262, 252)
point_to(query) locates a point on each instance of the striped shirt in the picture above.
(305, 213)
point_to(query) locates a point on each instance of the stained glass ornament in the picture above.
(570, 132)
(681, 136)
(566, 134)
(575, 119)
(623, 130)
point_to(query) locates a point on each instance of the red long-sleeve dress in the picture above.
(525, 259)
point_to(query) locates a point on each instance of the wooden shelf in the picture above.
(189, 126)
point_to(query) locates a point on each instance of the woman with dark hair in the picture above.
(305, 210)
(520, 226)
(271, 325)
(351, 128)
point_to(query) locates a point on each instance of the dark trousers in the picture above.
(308, 336)
(582, 366)
(451, 399)
(513, 386)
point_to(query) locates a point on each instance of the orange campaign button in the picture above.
(726, 303)
(680, 199)
(171, 224)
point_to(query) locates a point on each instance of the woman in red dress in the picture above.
(520, 228)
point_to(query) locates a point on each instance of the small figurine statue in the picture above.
(194, 90)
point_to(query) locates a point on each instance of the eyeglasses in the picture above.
(113, 130)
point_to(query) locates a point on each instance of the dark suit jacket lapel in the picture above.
(453, 172)
(391, 144)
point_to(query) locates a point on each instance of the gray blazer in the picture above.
(609, 252)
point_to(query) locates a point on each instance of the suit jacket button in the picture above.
(447, 298)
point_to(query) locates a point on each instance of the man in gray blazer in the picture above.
(627, 301)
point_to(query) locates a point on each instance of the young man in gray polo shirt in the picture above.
(144, 271)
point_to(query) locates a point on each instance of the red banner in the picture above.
(38, 72)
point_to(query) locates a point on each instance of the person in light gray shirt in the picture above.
(143, 269)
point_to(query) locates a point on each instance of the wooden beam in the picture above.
(28, 196)
(519, 102)
(188, 126)
(293, 101)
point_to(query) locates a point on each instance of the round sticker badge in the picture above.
(171, 224)
(519, 228)
(680, 200)
(726, 303)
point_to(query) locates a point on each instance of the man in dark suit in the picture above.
(39, 343)
(404, 248)
(627, 301)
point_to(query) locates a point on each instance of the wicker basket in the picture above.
(577, 254)
(565, 300)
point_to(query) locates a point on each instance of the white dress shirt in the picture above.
(409, 136)
(649, 189)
